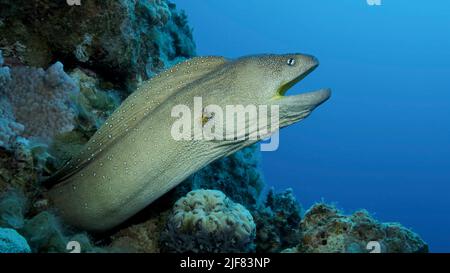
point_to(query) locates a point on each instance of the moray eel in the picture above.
(132, 160)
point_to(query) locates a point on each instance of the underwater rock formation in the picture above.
(208, 221)
(125, 41)
(12, 242)
(13, 206)
(327, 230)
(40, 227)
(4, 72)
(16, 167)
(22, 162)
(45, 233)
(141, 238)
(277, 222)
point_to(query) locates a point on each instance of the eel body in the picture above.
(133, 159)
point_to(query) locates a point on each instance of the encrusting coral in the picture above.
(326, 230)
(208, 221)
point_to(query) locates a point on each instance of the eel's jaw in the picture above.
(314, 98)
(310, 99)
(285, 87)
(297, 107)
(293, 109)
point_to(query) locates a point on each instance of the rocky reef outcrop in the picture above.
(143, 237)
(326, 230)
(277, 222)
(124, 41)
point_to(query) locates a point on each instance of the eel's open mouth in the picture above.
(313, 98)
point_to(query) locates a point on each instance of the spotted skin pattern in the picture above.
(133, 159)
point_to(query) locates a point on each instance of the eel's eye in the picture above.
(291, 62)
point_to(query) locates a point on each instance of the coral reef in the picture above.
(326, 230)
(12, 242)
(95, 102)
(101, 51)
(45, 233)
(208, 221)
(22, 162)
(277, 222)
(48, 112)
(141, 238)
(39, 226)
(9, 128)
(33, 97)
(13, 206)
(123, 40)
(16, 167)
(4, 72)
(44, 106)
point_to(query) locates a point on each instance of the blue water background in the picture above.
(383, 140)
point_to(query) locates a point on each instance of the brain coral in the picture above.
(208, 221)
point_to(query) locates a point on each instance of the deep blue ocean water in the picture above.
(382, 142)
